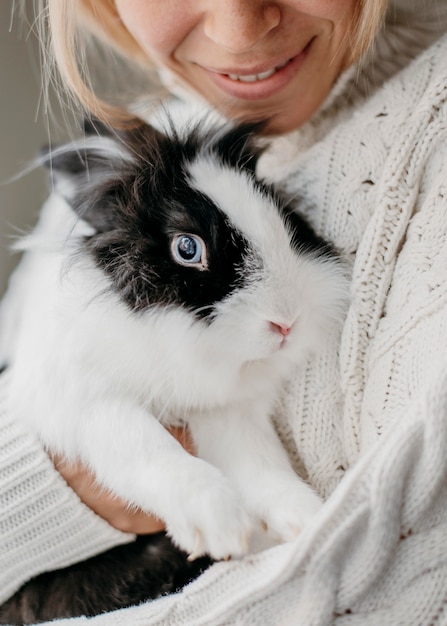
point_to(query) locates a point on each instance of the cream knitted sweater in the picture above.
(367, 419)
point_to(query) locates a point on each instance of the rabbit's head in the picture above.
(188, 235)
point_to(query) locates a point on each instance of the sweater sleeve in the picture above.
(43, 524)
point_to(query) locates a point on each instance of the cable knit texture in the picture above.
(43, 525)
(367, 419)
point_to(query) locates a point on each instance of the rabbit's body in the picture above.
(185, 294)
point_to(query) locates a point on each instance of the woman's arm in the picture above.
(46, 524)
(43, 523)
(109, 507)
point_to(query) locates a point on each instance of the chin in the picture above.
(281, 120)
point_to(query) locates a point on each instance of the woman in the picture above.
(358, 124)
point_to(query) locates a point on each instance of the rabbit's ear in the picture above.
(84, 162)
(80, 169)
(100, 154)
(94, 126)
(241, 145)
(90, 168)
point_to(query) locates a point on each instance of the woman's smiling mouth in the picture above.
(258, 84)
(252, 78)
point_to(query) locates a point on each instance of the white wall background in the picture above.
(22, 132)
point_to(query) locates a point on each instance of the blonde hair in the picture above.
(66, 27)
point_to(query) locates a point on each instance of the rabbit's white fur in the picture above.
(97, 382)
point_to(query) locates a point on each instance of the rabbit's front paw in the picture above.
(286, 507)
(211, 520)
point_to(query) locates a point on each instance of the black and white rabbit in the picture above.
(174, 287)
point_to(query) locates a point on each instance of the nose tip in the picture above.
(239, 25)
(280, 328)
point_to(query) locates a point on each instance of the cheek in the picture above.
(334, 16)
(159, 27)
(335, 11)
(338, 17)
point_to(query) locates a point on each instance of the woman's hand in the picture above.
(112, 509)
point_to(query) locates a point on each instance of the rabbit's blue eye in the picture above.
(189, 250)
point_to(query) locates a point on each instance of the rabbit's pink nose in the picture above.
(280, 328)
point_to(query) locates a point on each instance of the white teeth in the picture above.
(266, 74)
(249, 79)
(283, 64)
(252, 78)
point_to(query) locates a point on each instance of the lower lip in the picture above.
(261, 89)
